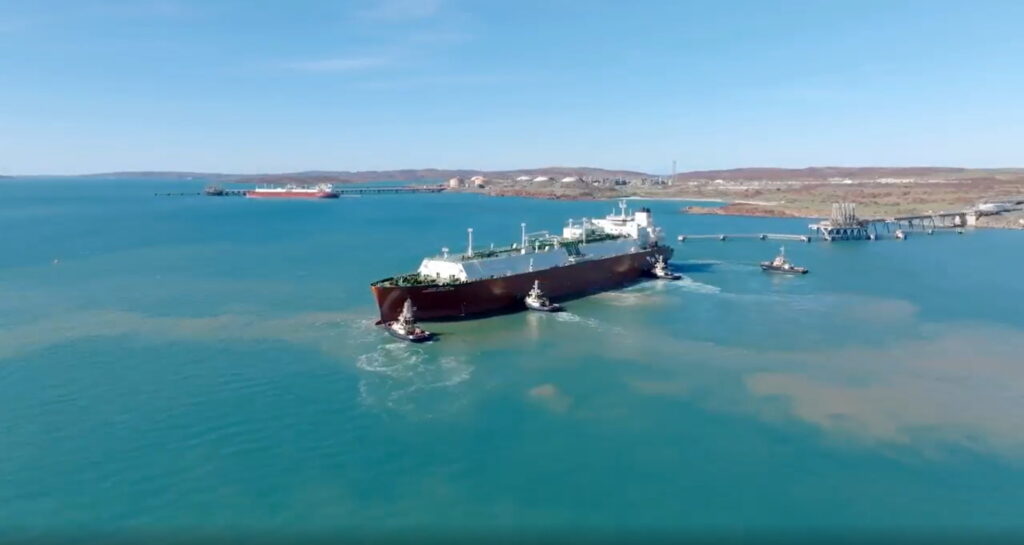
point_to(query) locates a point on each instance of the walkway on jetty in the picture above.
(391, 190)
(761, 236)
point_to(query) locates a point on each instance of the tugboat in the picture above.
(535, 300)
(780, 265)
(405, 327)
(661, 271)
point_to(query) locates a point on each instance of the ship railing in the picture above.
(412, 279)
(533, 245)
(416, 280)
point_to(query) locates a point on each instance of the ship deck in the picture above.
(541, 245)
(538, 245)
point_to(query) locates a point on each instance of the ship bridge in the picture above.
(636, 225)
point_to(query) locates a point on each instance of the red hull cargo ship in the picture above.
(590, 256)
(292, 191)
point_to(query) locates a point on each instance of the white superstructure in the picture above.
(994, 207)
(619, 233)
(295, 188)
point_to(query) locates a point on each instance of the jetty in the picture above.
(844, 224)
(760, 236)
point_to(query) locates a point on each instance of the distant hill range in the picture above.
(432, 174)
(362, 176)
(852, 173)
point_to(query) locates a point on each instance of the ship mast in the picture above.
(469, 249)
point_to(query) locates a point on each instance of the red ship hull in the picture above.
(291, 195)
(506, 294)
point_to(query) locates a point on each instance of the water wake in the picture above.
(569, 317)
(712, 265)
(632, 296)
(396, 360)
(688, 284)
(400, 376)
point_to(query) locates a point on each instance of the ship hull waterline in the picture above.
(290, 195)
(506, 294)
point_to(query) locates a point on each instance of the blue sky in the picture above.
(270, 86)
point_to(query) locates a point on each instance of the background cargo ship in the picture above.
(590, 256)
(292, 191)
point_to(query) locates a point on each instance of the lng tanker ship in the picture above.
(293, 191)
(591, 255)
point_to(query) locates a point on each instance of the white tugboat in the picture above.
(780, 265)
(661, 270)
(405, 327)
(535, 300)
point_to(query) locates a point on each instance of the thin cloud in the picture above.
(395, 10)
(339, 64)
(439, 38)
(440, 80)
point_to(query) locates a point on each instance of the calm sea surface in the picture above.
(199, 364)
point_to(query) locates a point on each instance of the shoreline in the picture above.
(745, 210)
(737, 207)
(681, 199)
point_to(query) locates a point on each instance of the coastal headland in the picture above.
(809, 192)
(767, 192)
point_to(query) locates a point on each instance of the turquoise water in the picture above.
(210, 365)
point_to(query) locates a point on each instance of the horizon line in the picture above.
(521, 169)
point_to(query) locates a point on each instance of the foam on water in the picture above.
(641, 294)
(398, 373)
(566, 317)
(714, 265)
(569, 317)
(576, 318)
(397, 359)
(688, 284)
